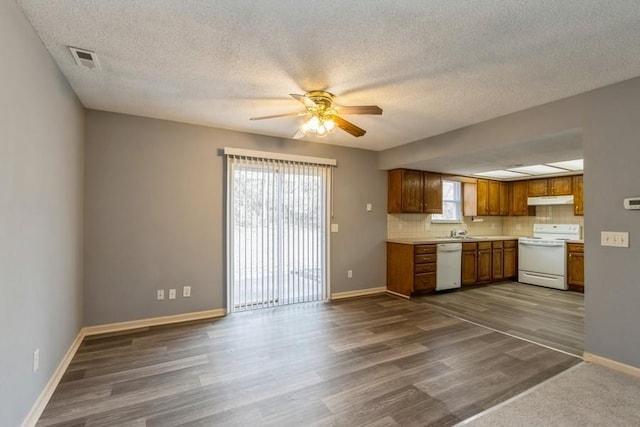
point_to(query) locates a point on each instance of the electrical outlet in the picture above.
(36, 360)
(172, 294)
(186, 292)
(334, 228)
(349, 274)
(619, 239)
(160, 294)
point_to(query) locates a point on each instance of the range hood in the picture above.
(550, 200)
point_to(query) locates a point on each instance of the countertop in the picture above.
(432, 240)
(576, 241)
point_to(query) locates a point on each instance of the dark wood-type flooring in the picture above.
(372, 361)
(547, 316)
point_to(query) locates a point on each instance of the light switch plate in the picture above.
(369, 207)
(618, 239)
(334, 228)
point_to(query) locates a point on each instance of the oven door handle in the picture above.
(549, 245)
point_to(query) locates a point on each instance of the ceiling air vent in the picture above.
(85, 58)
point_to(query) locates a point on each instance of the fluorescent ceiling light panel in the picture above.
(501, 174)
(572, 165)
(538, 169)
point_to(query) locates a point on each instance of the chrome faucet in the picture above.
(458, 233)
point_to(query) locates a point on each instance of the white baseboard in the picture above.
(359, 293)
(47, 392)
(154, 321)
(611, 364)
(397, 294)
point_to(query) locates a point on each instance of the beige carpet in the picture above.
(584, 395)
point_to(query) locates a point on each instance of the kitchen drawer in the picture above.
(510, 243)
(484, 245)
(421, 259)
(575, 247)
(425, 249)
(466, 247)
(424, 281)
(497, 245)
(425, 268)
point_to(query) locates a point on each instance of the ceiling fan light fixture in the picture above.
(318, 124)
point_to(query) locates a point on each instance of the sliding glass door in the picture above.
(277, 231)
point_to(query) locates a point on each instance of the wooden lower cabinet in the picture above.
(411, 268)
(469, 264)
(575, 266)
(497, 261)
(510, 259)
(484, 263)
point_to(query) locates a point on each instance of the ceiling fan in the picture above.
(323, 116)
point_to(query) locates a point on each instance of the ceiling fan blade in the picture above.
(275, 116)
(299, 135)
(307, 102)
(360, 109)
(348, 126)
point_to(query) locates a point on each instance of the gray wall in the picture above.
(608, 120)
(154, 206)
(612, 152)
(41, 171)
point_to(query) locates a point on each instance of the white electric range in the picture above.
(542, 258)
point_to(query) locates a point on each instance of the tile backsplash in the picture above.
(523, 225)
(403, 226)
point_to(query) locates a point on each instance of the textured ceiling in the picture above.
(433, 66)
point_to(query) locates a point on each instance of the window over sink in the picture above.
(451, 203)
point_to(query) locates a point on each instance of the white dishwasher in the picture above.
(449, 268)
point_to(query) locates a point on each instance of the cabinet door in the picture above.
(519, 194)
(412, 188)
(468, 268)
(538, 187)
(560, 186)
(504, 198)
(575, 269)
(494, 198)
(483, 197)
(578, 194)
(510, 263)
(497, 266)
(432, 195)
(470, 199)
(484, 266)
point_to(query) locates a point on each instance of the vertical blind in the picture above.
(276, 231)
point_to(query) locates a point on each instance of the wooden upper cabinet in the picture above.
(519, 193)
(483, 197)
(538, 187)
(494, 198)
(558, 186)
(578, 195)
(561, 186)
(470, 199)
(504, 198)
(412, 191)
(432, 193)
(487, 197)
